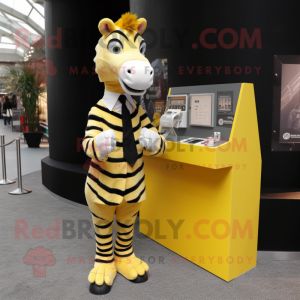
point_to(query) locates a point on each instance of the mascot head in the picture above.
(120, 60)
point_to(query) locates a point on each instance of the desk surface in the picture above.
(179, 139)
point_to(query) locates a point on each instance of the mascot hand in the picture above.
(149, 139)
(106, 142)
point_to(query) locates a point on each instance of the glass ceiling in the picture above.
(21, 21)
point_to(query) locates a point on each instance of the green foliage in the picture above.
(26, 81)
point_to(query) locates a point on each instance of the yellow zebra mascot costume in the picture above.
(117, 134)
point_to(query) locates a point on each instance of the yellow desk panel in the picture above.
(211, 195)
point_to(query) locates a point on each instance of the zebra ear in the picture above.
(142, 27)
(106, 26)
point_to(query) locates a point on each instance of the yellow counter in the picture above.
(211, 195)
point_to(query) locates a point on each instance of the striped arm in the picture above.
(94, 127)
(145, 122)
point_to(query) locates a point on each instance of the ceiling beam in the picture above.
(13, 30)
(11, 51)
(25, 19)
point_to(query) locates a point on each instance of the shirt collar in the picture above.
(110, 99)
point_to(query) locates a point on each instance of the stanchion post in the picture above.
(4, 180)
(19, 190)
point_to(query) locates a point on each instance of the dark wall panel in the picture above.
(241, 37)
(73, 87)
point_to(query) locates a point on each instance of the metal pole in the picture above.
(19, 190)
(4, 180)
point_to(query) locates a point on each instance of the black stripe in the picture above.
(133, 115)
(103, 236)
(137, 127)
(149, 126)
(135, 214)
(111, 175)
(112, 126)
(136, 36)
(95, 118)
(97, 216)
(120, 144)
(138, 197)
(105, 244)
(124, 225)
(119, 32)
(118, 160)
(132, 189)
(125, 255)
(164, 146)
(161, 144)
(114, 190)
(93, 128)
(125, 233)
(94, 151)
(104, 261)
(143, 117)
(122, 250)
(115, 114)
(88, 137)
(104, 255)
(125, 240)
(104, 226)
(96, 166)
(86, 146)
(105, 250)
(102, 199)
(120, 245)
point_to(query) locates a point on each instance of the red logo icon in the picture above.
(39, 258)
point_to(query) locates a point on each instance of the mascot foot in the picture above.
(101, 278)
(140, 279)
(132, 268)
(99, 289)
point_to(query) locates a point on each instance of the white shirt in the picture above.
(110, 99)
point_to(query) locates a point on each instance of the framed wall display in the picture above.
(225, 102)
(286, 103)
(202, 109)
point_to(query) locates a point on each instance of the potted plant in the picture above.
(27, 81)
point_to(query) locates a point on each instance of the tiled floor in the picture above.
(30, 157)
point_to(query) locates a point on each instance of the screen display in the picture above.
(177, 103)
(225, 101)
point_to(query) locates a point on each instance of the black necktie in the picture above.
(129, 147)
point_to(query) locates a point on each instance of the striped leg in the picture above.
(104, 240)
(104, 270)
(127, 263)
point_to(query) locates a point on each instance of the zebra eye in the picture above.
(143, 47)
(115, 46)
